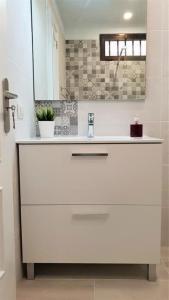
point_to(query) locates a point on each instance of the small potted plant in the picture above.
(46, 116)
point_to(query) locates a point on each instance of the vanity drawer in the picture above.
(91, 234)
(90, 174)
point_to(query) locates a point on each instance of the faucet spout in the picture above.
(91, 125)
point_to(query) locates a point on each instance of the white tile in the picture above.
(165, 184)
(154, 15)
(165, 195)
(131, 289)
(110, 117)
(165, 227)
(55, 290)
(153, 100)
(114, 282)
(165, 136)
(165, 99)
(165, 14)
(165, 253)
(165, 57)
(152, 129)
(154, 53)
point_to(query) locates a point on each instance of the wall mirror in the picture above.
(89, 49)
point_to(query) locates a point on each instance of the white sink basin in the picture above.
(84, 139)
(95, 138)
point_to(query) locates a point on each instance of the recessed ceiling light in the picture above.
(127, 15)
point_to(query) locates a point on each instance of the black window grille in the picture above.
(128, 46)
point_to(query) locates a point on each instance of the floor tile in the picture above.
(162, 272)
(96, 282)
(55, 290)
(131, 290)
(165, 252)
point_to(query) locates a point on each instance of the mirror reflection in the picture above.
(89, 49)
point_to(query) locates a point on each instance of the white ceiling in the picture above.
(85, 16)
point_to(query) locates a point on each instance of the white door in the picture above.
(7, 253)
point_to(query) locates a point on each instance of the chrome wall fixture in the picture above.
(7, 96)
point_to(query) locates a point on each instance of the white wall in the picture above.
(62, 48)
(40, 33)
(114, 118)
(45, 17)
(20, 72)
(20, 78)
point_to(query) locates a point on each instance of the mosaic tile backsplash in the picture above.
(88, 78)
(66, 120)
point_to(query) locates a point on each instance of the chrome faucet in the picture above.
(90, 125)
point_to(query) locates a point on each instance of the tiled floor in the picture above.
(97, 283)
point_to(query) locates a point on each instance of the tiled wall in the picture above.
(89, 78)
(66, 121)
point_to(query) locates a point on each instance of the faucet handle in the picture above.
(91, 118)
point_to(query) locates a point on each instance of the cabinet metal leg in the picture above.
(30, 271)
(151, 272)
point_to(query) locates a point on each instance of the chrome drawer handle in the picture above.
(90, 154)
(90, 214)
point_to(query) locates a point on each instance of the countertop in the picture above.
(94, 140)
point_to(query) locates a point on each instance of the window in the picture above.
(129, 46)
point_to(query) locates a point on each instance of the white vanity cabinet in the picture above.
(91, 203)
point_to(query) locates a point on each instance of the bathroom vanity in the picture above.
(91, 201)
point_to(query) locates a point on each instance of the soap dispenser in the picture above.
(136, 129)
